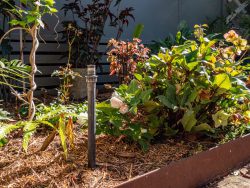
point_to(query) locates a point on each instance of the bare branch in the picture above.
(13, 29)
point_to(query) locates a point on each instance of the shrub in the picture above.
(199, 86)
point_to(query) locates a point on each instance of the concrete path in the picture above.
(238, 179)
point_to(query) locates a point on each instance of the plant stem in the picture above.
(33, 86)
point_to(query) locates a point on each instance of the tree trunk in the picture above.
(33, 86)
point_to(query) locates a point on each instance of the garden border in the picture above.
(197, 170)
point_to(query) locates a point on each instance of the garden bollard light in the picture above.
(91, 80)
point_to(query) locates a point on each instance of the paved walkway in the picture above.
(238, 179)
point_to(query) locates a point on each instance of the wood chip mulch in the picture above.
(118, 161)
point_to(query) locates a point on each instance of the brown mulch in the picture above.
(118, 161)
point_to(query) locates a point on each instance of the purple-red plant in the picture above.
(124, 56)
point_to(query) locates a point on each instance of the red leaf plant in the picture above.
(124, 56)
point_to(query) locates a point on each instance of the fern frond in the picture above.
(28, 129)
(14, 70)
(6, 129)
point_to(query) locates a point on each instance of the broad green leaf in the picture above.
(17, 22)
(138, 76)
(138, 31)
(145, 95)
(189, 120)
(133, 87)
(222, 81)
(169, 99)
(53, 10)
(106, 108)
(192, 96)
(62, 134)
(202, 127)
(167, 102)
(151, 106)
(192, 65)
(50, 2)
(186, 94)
(209, 45)
(30, 19)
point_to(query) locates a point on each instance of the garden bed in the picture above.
(199, 169)
(118, 161)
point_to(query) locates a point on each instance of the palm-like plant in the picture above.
(16, 71)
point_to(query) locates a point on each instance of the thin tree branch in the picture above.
(13, 29)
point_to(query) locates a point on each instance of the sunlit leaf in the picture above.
(220, 118)
(62, 134)
(222, 81)
(189, 120)
(202, 127)
(28, 129)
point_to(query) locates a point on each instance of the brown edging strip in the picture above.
(197, 170)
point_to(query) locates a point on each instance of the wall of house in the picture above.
(160, 17)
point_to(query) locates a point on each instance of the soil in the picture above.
(117, 160)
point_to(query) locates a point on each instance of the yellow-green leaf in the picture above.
(222, 81)
(189, 120)
(62, 134)
(202, 127)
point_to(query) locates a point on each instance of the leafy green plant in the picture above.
(60, 118)
(66, 75)
(237, 17)
(199, 86)
(183, 34)
(29, 19)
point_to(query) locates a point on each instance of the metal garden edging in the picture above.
(197, 170)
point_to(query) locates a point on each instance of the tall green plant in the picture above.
(30, 21)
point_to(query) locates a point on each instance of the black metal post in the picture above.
(91, 80)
